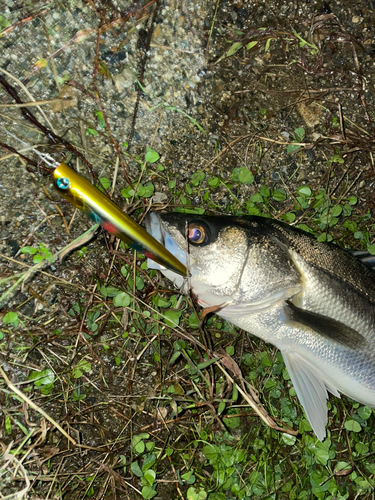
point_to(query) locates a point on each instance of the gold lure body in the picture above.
(83, 195)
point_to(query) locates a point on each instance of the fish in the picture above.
(314, 301)
(83, 195)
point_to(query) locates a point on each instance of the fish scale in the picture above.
(328, 296)
(313, 301)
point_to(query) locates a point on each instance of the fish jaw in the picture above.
(156, 229)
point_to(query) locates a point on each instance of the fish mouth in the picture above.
(155, 227)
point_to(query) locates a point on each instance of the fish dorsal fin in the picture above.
(327, 327)
(311, 390)
(365, 257)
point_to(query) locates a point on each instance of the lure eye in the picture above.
(197, 234)
(63, 183)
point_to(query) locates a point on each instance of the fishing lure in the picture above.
(83, 195)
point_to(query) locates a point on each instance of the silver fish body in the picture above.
(313, 301)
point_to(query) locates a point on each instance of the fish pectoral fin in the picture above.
(329, 328)
(311, 390)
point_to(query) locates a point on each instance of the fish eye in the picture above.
(63, 183)
(196, 234)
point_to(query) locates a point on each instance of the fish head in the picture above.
(230, 260)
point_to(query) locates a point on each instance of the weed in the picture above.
(40, 253)
(298, 136)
